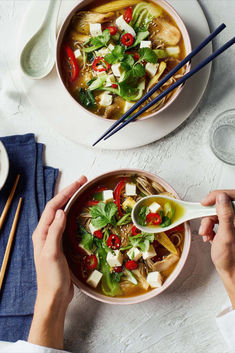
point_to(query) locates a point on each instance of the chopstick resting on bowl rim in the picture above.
(160, 83)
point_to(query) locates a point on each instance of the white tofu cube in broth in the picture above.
(87, 252)
(150, 253)
(115, 259)
(77, 53)
(154, 207)
(151, 69)
(127, 106)
(154, 279)
(94, 278)
(173, 51)
(110, 80)
(92, 228)
(107, 195)
(117, 70)
(130, 189)
(111, 47)
(124, 26)
(134, 254)
(145, 44)
(106, 99)
(95, 29)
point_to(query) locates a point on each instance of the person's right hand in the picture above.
(223, 241)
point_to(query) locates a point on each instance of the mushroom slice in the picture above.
(144, 186)
(82, 19)
(164, 264)
(154, 80)
(79, 37)
(115, 5)
(162, 30)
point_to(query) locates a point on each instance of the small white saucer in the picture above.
(4, 165)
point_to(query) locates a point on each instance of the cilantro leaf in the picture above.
(138, 70)
(142, 241)
(86, 238)
(116, 55)
(101, 40)
(148, 54)
(142, 215)
(103, 214)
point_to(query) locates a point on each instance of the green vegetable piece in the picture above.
(169, 210)
(86, 238)
(161, 53)
(86, 98)
(124, 220)
(90, 82)
(130, 277)
(103, 214)
(139, 37)
(110, 282)
(98, 42)
(116, 55)
(165, 222)
(116, 37)
(148, 54)
(98, 196)
(142, 215)
(99, 82)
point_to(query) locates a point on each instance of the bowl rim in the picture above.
(187, 41)
(154, 292)
(4, 165)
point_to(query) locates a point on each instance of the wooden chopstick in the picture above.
(8, 203)
(9, 243)
(163, 80)
(175, 85)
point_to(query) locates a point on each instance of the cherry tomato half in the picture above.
(91, 262)
(114, 85)
(128, 15)
(135, 230)
(131, 265)
(118, 269)
(112, 30)
(127, 39)
(113, 242)
(154, 219)
(98, 234)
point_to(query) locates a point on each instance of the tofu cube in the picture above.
(110, 80)
(77, 53)
(130, 189)
(115, 259)
(151, 69)
(154, 279)
(88, 252)
(150, 253)
(94, 278)
(111, 47)
(95, 29)
(92, 228)
(145, 44)
(134, 254)
(127, 106)
(129, 202)
(124, 26)
(117, 70)
(107, 195)
(173, 51)
(154, 207)
(106, 99)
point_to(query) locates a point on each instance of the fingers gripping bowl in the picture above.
(109, 259)
(109, 56)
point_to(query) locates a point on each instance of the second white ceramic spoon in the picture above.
(190, 210)
(38, 56)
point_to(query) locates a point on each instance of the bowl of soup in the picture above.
(109, 258)
(111, 53)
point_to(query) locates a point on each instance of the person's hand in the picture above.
(55, 289)
(223, 241)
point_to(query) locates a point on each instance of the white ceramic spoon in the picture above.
(191, 210)
(38, 56)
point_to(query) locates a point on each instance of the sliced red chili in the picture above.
(91, 262)
(128, 15)
(98, 234)
(114, 85)
(99, 64)
(117, 195)
(118, 269)
(131, 265)
(112, 30)
(154, 219)
(73, 65)
(135, 231)
(127, 39)
(91, 203)
(177, 229)
(113, 242)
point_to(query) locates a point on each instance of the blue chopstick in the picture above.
(176, 84)
(165, 79)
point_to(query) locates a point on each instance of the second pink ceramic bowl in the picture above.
(135, 299)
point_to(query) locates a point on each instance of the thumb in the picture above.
(225, 213)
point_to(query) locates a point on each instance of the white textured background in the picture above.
(181, 320)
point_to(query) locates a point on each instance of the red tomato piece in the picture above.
(177, 229)
(117, 195)
(100, 65)
(91, 203)
(127, 39)
(128, 15)
(154, 219)
(135, 230)
(113, 241)
(91, 262)
(98, 234)
(131, 265)
(118, 269)
(112, 30)
(74, 68)
(114, 85)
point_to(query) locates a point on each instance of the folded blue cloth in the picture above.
(36, 186)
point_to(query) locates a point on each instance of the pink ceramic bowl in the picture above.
(135, 299)
(165, 6)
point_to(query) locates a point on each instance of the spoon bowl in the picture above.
(184, 211)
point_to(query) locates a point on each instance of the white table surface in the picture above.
(182, 319)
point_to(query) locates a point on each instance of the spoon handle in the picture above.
(198, 211)
(52, 14)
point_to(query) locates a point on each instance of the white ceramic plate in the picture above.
(70, 120)
(4, 165)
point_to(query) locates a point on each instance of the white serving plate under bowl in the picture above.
(4, 165)
(162, 3)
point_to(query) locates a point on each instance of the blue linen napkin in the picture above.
(36, 186)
